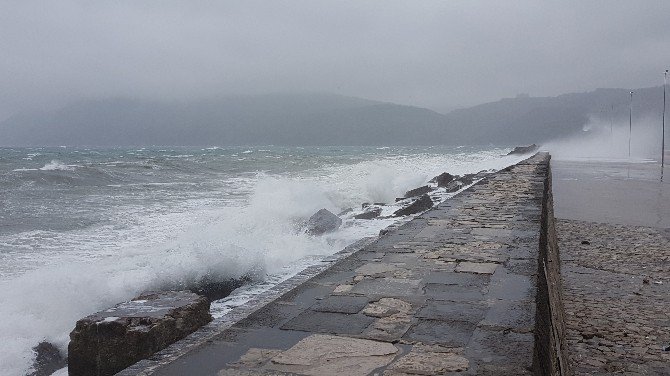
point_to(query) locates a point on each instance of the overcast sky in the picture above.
(437, 54)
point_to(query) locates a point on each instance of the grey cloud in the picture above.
(437, 54)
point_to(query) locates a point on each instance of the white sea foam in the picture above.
(206, 239)
(55, 165)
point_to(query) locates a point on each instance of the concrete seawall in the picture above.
(472, 286)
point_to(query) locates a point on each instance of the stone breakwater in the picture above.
(455, 290)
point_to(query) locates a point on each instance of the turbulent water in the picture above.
(83, 229)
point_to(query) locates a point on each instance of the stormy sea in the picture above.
(84, 229)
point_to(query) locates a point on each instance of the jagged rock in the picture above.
(520, 150)
(423, 203)
(365, 205)
(47, 360)
(215, 290)
(442, 179)
(418, 191)
(466, 179)
(453, 186)
(370, 214)
(108, 341)
(323, 221)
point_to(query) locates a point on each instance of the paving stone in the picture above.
(389, 328)
(448, 333)
(256, 357)
(374, 268)
(386, 307)
(387, 287)
(476, 267)
(342, 289)
(333, 355)
(329, 322)
(511, 286)
(421, 362)
(453, 278)
(452, 311)
(341, 304)
(455, 293)
(513, 314)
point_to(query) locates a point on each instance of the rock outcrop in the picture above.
(322, 222)
(521, 150)
(418, 191)
(108, 341)
(442, 179)
(423, 203)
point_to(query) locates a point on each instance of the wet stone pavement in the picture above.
(450, 292)
(616, 282)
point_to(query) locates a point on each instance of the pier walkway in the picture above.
(614, 239)
(454, 291)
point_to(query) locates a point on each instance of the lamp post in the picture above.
(630, 121)
(665, 83)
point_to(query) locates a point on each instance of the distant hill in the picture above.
(317, 119)
(535, 119)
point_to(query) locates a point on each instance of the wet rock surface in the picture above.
(450, 292)
(423, 203)
(322, 222)
(418, 191)
(443, 179)
(109, 341)
(616, 282)
(521, 150)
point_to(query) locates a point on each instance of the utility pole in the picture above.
(630, 121)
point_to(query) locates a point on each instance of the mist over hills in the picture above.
(320, 119)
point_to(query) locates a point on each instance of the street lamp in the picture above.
(630, 121)
(665, 83)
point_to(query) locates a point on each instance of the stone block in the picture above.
(108, 341)
(341, 304)
(333, 355)
(447, 333)
(329, 322)
(387, 287)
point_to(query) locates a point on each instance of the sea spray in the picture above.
(606, 140)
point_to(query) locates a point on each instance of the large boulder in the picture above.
(423, 203)
(442, 179)
(521, 150)
(418, 191)
(323, 221)
(108, 341)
